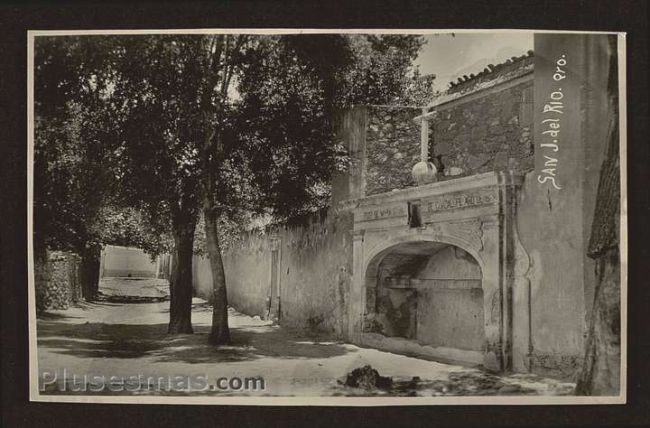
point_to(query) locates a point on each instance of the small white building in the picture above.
(119, 261)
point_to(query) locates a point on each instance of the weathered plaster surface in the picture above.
(466, 213)
(314, 274)
(527, 240)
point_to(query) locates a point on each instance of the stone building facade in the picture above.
(485, 123)
(487, 265)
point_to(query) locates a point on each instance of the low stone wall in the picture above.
(313, 274)
(57, 280)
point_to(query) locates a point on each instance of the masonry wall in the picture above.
(392, 148)
(474, 132)
(314, 274)
(57, 280)
(486, 131)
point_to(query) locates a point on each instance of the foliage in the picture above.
(130, 227)
(382, 72)
(183, 126)
(230, 227)
(105, 122)
(74, 141)
(159, 162)
(290, 87)
(288, 92)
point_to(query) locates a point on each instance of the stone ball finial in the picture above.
(424, 173)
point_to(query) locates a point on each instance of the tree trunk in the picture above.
(90, 262)
(220, 334)
(600, 374)
(180, 286)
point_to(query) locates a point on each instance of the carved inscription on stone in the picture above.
(432, 205)
(379, 213)
(456, 200)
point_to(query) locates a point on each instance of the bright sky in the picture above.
(450, 57)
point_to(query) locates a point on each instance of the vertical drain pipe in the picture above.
(424, 137)
(273, 310)
(279, 280)
(424, 172)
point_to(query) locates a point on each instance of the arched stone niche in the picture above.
(426, 291)
(443, 288)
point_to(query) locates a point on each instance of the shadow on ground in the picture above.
(107, 340)
(133, 299)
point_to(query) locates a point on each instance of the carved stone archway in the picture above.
(475, 214)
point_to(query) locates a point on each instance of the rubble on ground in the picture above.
(367, 378)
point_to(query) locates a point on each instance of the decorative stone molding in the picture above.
(461, 199)
(475, 214)
(376, 243)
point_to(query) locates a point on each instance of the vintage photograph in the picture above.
(327, 217)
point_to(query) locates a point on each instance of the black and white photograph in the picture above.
(327, 216)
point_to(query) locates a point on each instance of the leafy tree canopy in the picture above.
(134, 115)
(74, 141)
